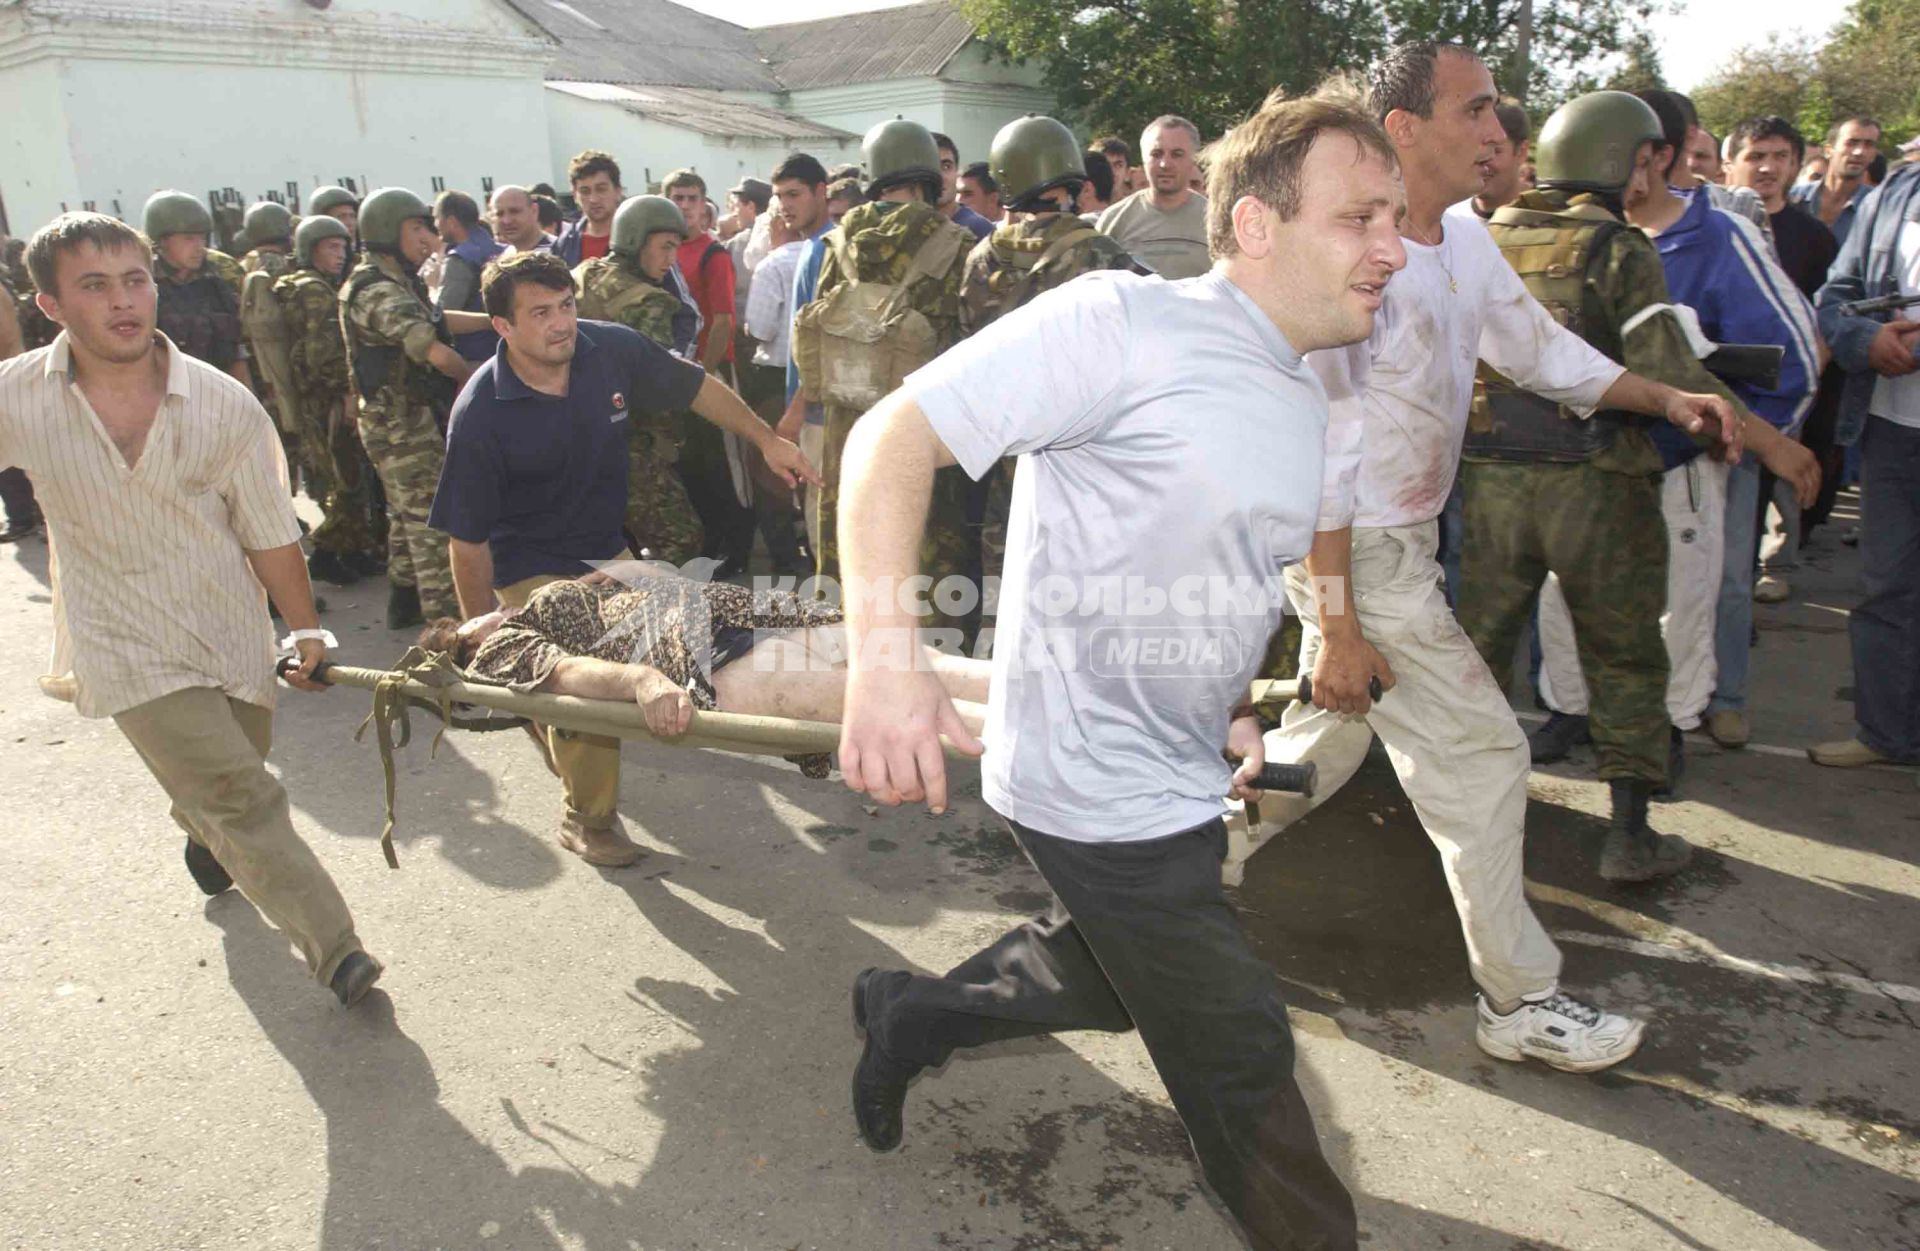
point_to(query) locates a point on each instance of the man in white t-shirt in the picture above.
(1449, 731)
(1142, 583)
(1164, 226)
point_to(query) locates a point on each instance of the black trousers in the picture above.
(1141, 936)
(16, 498)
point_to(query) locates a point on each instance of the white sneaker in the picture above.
(1560, 1030)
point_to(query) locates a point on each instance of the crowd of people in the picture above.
(1383, 359)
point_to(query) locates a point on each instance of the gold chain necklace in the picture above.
(1440, 250)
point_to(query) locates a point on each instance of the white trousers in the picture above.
(1693, 499)
(1454, 743)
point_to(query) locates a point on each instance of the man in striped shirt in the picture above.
(165, 492)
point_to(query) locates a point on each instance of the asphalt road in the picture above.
(657, 1057)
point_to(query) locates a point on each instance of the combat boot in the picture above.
(332, 568)
(1632, 852)
(1558, 735)
(403, 608)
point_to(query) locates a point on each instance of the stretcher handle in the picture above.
(287, 664)
(1296, 779)
(1303, 690)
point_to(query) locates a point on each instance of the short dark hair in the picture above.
(592, 161)
(1403, 78)
(1858, 119)
(1113, 145)
(800, 167)
(70, 232)
(1100, 174)
(541, 188)
(1673, 122)
(1769, 127)
(548, 209)
(683, 178)
(847, 189)
(459, 206)
(979, 172)
(502, 277)
(945, 144)
(843, 171)
(1513, 120)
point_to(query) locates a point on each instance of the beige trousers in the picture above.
(813, 443)
(1454, 743)
(209, 753)
(588, 765)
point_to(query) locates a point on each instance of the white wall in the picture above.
(109, 103)
(970, 113)
(648, 150)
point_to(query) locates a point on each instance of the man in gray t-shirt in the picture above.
(1172, 453)
(1165, 225)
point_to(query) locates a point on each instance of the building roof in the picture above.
(703, 111)
(660, 43)
(912, 41)
(650, 42)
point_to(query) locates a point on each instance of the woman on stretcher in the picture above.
(640, 632)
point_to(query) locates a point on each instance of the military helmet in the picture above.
(899, 151)
(384, 211)
(1590, 141)
(642, 217)
(174, 213)
(312, 230)
(1033, 156)
(325, 199)
(267, 222)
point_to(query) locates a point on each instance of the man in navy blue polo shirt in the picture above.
(535, 482)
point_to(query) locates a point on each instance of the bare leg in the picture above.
(803, 676)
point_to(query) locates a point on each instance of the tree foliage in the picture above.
(1865, 65)
(1117, 64)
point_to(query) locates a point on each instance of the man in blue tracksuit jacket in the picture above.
(1719, 266)
(1880, 411)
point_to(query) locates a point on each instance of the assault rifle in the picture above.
(1878, 305)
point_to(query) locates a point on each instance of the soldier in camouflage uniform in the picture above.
(199, 288)
(881, 241)
(1549, 491)
(309, 296)
(1042, 244)
(628, 286)
(406, 374)
(269, 231)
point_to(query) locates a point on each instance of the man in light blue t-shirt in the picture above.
(1174, 457)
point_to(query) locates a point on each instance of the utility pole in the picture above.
(1523, 52)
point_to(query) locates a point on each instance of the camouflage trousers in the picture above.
(1603, 533)
(407, 450)
(331, 465)
(660, 515)
(951, 547)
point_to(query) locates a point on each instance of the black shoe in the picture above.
(207, 873)
(1632, 852)
(18, 530)
(1560, 734)
(403, 608)
(879, 1081)
(1676, 763)
(364, 563)
(354, 978)
(332, 568)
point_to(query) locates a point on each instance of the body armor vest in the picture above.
(1553, 253)
(202, 316)
(382, 367)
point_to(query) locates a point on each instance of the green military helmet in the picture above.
(174, 213)
(642, 217)
(312, 230)
(1590, 141)
(326, 199)
(1032, 156)
(267, 222)
(384, 211)
(899, 151)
